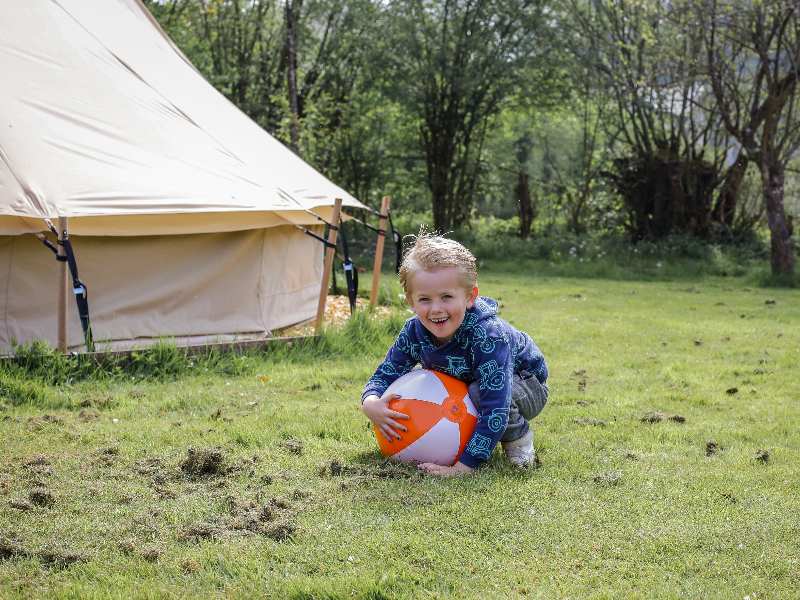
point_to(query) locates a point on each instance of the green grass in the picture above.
(618, 508)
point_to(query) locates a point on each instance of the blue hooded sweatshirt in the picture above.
(486, 349)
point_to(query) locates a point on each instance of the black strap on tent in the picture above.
(313, 214)
(367, 225)
(350, 270)
(315, 236)
(78, 287)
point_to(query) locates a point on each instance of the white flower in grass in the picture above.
(658, 265)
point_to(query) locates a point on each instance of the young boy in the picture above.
(456, 331)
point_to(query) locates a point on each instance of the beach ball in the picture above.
(441, 418)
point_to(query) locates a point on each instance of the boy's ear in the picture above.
(472, 297)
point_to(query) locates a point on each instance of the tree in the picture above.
(753, 65)
(671, 155)
(453, 63)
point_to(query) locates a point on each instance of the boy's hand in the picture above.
(444, 471)
(378, 411)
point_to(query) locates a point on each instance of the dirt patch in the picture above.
(41, 496)
(148, 466)
(761, 456)
(357, 481)
(152, 553)
(101, 401)
(11, 547)
(337, 312)
(294, 445)
(38, 464)
(89, 415)
(607, 479)
(128, 545)
(201, 462)
(301, 493)
(190, 565)
(245, 518)
(712, 447)
(20, 504)
(107, 456)
(54, 554)
(386, 469)
(652, 416)
(589, 421)
(36, 460)
(39, 423)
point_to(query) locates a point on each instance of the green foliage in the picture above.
(450, 122)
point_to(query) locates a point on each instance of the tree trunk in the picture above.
(291, 76)
(782, 259)
(526, 214)
(438, 173)
(725, 208)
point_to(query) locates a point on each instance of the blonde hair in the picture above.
(431, 252)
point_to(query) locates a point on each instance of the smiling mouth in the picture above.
(439, 321)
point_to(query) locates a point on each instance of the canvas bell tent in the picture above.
(180, 209)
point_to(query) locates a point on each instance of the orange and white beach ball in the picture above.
(441, 418)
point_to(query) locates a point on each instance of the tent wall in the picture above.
(199, 287)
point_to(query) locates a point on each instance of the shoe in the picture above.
(522, 456)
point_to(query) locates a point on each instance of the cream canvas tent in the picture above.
(180, 208)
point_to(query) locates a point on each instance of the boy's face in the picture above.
(440, 301)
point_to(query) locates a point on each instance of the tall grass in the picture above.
(34, 372)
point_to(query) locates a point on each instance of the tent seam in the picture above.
(159, 93)
(259, 294)
(8, 286)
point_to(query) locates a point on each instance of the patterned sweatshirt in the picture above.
(485, 348)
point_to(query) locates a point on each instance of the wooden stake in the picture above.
(376, 271)
(63, 290)
(326, 275)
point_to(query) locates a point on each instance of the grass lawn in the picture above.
(670, 465)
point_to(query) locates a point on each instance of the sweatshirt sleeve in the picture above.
(400, 359)
(493, 367)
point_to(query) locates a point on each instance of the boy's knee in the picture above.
(474, 392)
(529, 395)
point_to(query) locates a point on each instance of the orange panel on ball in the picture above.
(423, 415)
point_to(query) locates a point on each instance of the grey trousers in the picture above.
(528, 398)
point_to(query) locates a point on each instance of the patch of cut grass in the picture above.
(265, 480)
